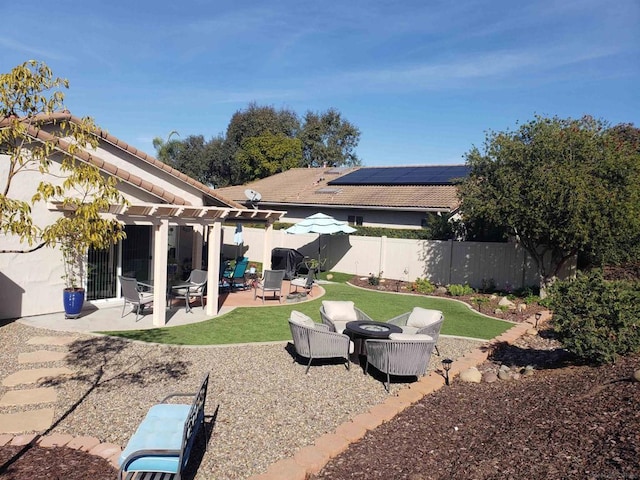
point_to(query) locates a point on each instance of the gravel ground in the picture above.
(265, 407)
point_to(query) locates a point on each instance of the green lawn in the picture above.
(264, 324)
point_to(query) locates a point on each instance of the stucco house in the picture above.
(394, 197)
(173, 223)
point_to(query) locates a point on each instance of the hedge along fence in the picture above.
(442, 262)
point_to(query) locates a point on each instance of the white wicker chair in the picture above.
(421, 321)
(314, 340)
(337, 313)
(405, 357)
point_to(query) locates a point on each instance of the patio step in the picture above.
(40, 419)
(28, 396)
(51, 340)
(34, 375)
(30, 421)
(41, 356)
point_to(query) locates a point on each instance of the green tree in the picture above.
(30, 100)
(327, 139)
(267, 155)
(561, 187)
(167, 151)
(254, 122)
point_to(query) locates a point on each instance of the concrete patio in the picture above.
(108, 316)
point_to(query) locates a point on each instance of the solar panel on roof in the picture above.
(417, 175)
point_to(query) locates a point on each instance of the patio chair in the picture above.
(131, 293)
(305, 283)
(235, 278)
(336, 314)
(421, 321)
(271, 282)
(401, 354)
(195, 286)
(314, 340)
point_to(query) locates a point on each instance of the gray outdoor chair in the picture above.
(195, 286)
(131, 294)
(401, 354)
(336, 314)
(305, 283)
(271, 282)
(314, 340)
(422, 321)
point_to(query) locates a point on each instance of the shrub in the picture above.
(488, 285)
(422, 285)
(595, 319)
(459, 290)
(374, 279)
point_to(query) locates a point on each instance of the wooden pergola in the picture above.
(207, 225)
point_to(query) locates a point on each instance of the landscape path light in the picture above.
(446, 365)
(538, 317)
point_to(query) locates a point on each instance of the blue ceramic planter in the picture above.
(73, 301)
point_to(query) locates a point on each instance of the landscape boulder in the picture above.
(471, 375)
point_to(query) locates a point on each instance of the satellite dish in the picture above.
(253, 196)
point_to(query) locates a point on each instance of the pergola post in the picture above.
(213, 269)
(199, 233)
(160, 247)
(268, 241)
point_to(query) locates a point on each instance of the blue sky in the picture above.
(422, 80)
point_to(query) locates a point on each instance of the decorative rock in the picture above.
(505, 302)
(515, 376)
(528, 371)
(531, 331)
(441, 290)
(636, 375)
(489, 377)
(522, 307)
(504, 368)
(497, 311)
(471, 375)
(504, 374)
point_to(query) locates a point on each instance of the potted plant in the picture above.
(82, 225)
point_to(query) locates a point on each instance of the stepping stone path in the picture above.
(39, 419)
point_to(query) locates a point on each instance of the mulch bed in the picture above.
(488, 307)
(564, 422)
(55, 463)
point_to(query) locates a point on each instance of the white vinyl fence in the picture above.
(442, 262)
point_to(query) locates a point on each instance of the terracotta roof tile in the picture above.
(111, 169)
(309, 186)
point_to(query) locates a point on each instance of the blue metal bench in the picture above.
(163, 441)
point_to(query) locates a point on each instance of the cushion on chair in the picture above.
(410, 337)
(302, 319)
(352, 347)
(340, 310)
(340, 326)
(423, 317)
